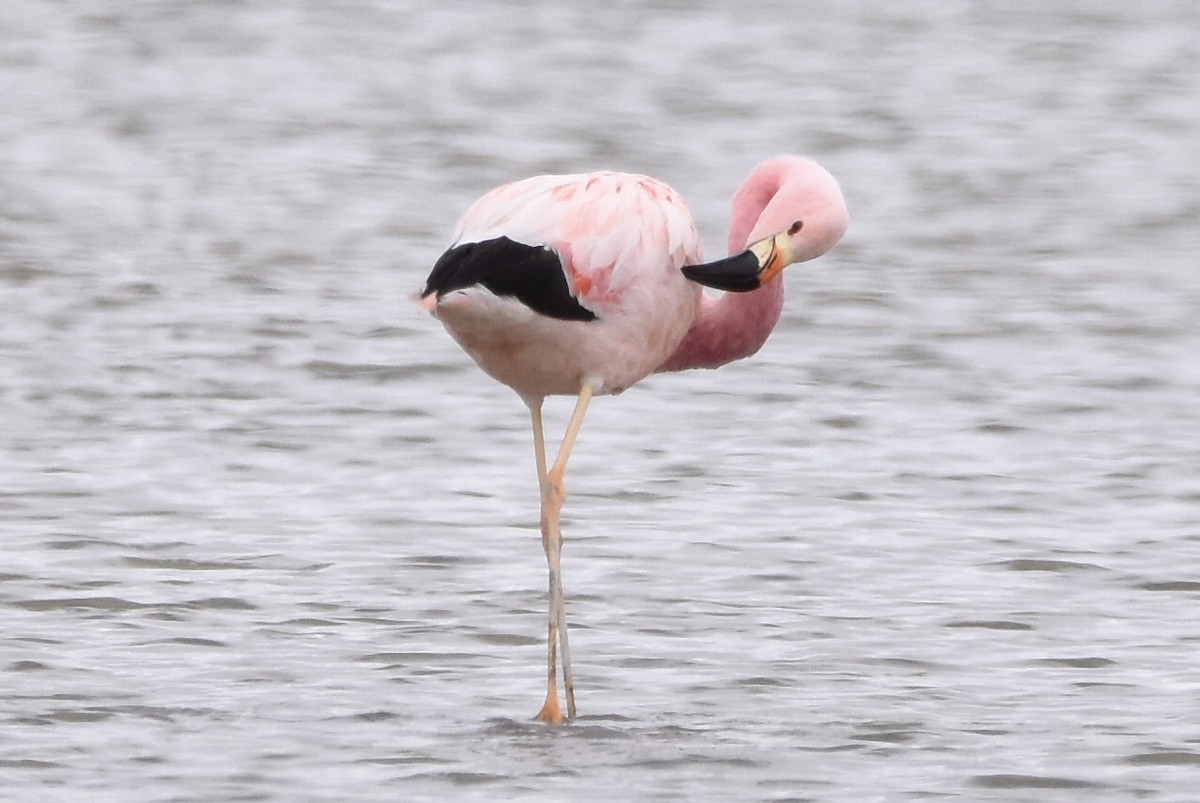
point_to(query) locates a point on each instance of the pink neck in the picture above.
(735, 325)
(728, 328)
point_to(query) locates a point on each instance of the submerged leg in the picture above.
(553, 492)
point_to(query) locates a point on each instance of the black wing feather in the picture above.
(529, 273)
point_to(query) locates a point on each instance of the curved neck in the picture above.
(728, 328)
(735, 325)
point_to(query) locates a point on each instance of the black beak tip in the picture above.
(738, 273)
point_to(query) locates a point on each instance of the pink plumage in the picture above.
(622, 240)
(585, 284)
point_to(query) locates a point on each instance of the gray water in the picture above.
(269, 535)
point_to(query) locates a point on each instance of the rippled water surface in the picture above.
(269, 535)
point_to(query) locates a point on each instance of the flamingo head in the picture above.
(803, 216)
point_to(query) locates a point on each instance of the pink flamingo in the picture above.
(582, 285)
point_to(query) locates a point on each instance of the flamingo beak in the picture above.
(749, 270)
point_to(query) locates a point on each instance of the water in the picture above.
(270, 536)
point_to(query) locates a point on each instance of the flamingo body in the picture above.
(574, 277)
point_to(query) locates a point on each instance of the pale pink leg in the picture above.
(551, 712)
(553, 492)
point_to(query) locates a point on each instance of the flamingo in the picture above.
(582, 285)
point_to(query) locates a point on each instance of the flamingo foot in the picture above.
(551, 713)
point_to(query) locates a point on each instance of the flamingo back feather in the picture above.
(606, 228)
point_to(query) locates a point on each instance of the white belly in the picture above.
(540, 356)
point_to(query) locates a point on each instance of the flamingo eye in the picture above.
(799, 224)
